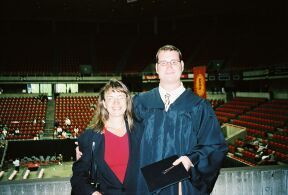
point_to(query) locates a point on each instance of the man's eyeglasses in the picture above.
(166, 63)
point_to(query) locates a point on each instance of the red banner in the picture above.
(200, 80)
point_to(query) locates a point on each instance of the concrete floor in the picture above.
(50, 171)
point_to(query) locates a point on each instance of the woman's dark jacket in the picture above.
(109, 183)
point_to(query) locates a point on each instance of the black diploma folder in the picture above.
(161, 174)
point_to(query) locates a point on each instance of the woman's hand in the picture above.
(78, 152)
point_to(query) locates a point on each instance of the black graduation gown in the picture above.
(190, 128)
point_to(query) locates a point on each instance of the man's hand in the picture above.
(78, 152)
(185, 161)
(96, 193)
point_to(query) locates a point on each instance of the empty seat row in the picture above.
(274, 116)
(264, 121)
(236, 106)
(230, 110)
(222, 119)
(226, 114)
(271, 110)
(256, 133)
(253, 125)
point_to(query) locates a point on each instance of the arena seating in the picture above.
(79, 110)
(274, 116)
(20, 113)
(272, 122)
(216, 102)
(264, 120)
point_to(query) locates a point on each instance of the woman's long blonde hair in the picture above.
(102, 114)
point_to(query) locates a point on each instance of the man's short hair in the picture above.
(168, 48)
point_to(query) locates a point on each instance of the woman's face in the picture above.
(115, 103)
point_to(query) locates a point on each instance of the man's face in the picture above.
(169, 67)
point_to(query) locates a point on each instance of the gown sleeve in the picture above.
(137, 108)
(209, 152)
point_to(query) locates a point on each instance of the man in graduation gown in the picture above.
(176, 121)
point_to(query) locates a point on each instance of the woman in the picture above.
(108, 146)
